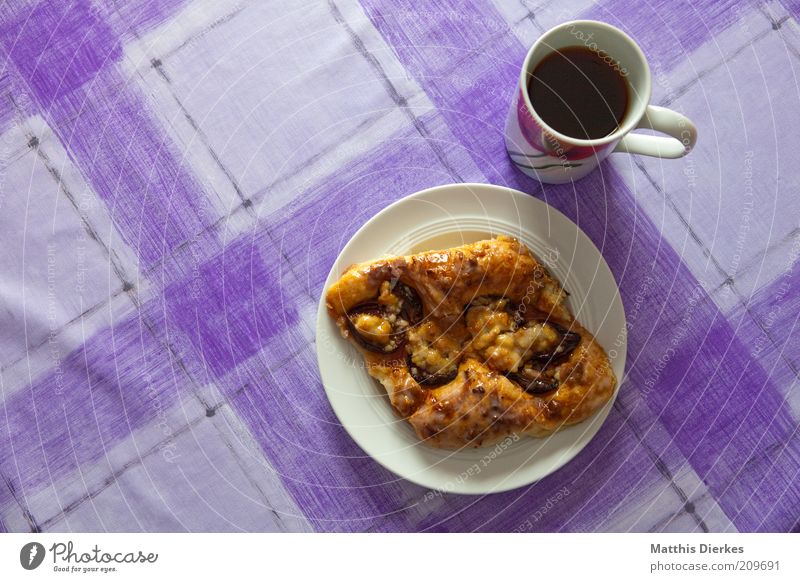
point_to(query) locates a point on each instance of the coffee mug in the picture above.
(542, 152)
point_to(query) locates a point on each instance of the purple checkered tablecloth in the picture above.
(178, 176)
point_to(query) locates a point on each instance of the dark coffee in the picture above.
(577, 92)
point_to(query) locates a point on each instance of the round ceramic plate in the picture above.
(449, 216)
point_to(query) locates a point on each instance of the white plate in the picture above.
(439, 218)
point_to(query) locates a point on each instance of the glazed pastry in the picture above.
(472, 344)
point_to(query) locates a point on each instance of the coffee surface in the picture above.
(578, 93)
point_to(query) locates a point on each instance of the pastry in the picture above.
(472, 344)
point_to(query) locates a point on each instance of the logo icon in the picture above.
(31, 555)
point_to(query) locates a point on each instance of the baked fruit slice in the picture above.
(473, 343)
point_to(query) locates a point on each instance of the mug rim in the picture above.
(630, 123)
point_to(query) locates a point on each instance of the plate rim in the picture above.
(323, 316)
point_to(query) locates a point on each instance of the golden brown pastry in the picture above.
(473, 343)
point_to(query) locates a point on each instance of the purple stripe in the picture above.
(226, 308)
(58, 46)
(134, 167)
(668, 30)
(337, 487)
(117, 382)
(793, 6)
(769, 327)
(608, 212)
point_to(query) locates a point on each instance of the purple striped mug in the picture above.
(542, 152)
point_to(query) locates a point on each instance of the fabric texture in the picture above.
(177, 178)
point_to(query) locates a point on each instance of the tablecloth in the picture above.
(178, 177)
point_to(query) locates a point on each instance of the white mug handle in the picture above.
(682, 131)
